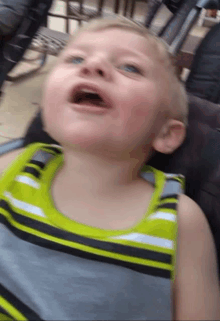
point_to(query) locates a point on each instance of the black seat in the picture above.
(204, 78)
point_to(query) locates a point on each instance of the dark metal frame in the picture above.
(128, 10)
(41, 57)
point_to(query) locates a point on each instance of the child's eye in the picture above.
(131, 68)
(76, 60)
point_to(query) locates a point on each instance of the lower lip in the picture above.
(90, 109)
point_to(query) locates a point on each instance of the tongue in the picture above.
(92, 102)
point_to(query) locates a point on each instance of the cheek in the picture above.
(51, 100)
(54, 91)
(142, 111)
(142, 101)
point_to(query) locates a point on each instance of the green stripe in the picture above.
(169, 200)
(83, 247)
(15, 307)
(15, 314)
(4, 317)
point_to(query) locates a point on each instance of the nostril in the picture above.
(100, 72)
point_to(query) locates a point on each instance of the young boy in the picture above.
(88, 232)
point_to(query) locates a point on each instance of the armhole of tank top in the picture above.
(16, 165)
(174, 269)
(174, 261)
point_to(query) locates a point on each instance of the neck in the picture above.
(88, 174)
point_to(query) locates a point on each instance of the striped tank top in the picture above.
(53, 268)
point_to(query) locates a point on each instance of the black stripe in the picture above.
(169, 196)
(18, 304)
(167, 206)
(53, 149)
(101, 245)
(38, 163)
(32, 171)
(5, 312)
(34, 239)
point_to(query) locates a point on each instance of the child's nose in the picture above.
(97, 67)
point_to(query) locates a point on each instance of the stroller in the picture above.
(200, 152)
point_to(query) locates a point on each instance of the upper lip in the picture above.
(92, 87)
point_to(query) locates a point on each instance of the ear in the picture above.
(171, 136)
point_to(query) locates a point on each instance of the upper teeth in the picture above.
(89, 91)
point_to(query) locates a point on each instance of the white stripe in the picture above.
(25, 206)
(174, 175)
(170, 175)
(147, 239)
(27, 180)
(55, 145)
(163, 216)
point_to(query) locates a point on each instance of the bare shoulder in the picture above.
(196, 270)
(194, 231)
(190, 215)
(6, 159)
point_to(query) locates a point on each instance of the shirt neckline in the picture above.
(61, 221)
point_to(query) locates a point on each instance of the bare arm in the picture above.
(196, 290)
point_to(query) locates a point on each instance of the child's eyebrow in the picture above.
(121, 51)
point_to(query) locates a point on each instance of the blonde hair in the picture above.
(179, 104)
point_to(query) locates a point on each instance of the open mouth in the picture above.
(89, 97)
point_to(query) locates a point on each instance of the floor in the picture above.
(22, 98)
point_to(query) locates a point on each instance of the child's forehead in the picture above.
(115, 38)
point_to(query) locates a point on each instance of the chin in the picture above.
(76, 141)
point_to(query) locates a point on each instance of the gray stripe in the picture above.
(171, 187)
(149, 177)
(58, 286)
(42, 156)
